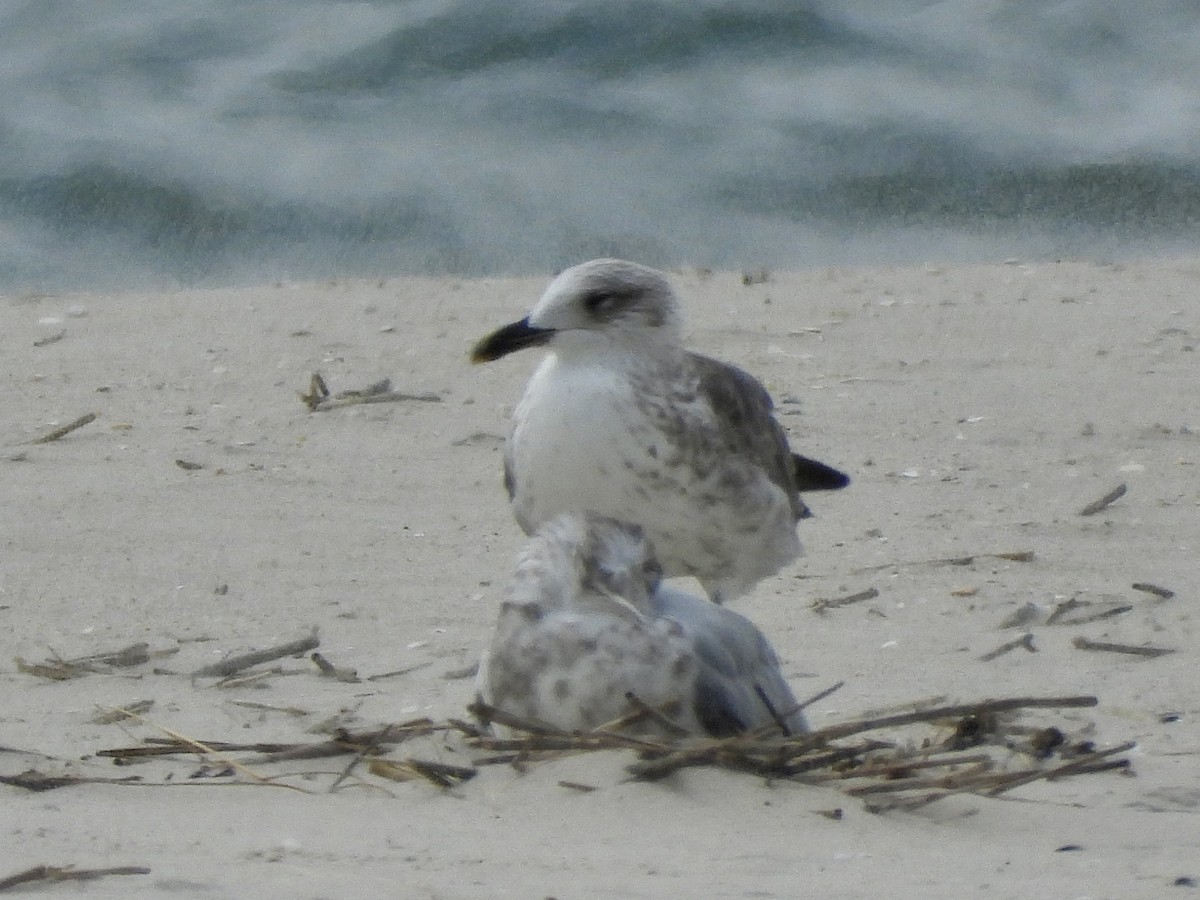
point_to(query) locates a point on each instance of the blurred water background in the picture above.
(222, 142)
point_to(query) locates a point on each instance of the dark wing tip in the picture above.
(816, 476)
(716, 710)
(510, 478)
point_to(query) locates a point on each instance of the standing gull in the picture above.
(621, 420)
(586, 626)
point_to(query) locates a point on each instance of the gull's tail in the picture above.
(816, 476)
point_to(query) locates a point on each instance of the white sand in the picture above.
(978, 409)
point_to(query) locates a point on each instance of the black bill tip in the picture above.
(816, 476)
(510, 339)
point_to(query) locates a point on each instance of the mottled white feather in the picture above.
(586, 623)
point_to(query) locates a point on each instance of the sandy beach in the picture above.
(207, 512)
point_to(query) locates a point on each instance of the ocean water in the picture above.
(239, 141)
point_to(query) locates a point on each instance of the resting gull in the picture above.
(586, 623)
(620, 419)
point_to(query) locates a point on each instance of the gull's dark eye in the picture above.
(600, 303)
(605, 304)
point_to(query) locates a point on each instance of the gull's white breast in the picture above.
(575, 432)
(583, 439)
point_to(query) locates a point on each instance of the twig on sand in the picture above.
(1082, 643)
(952, 712)
(173, 746)
(1011, 556)
(546, 737)
(648, 713)
(52, 670)
(1060, 614)
(339, 744)
(972, 748)
(112, 716)
(319, 399)
(59, 669)
(980, 780)
(1025, 640)
(338, 673)
(577, 786)
(51, 339)
(1107, 500)
(66, 873)
(236, 664)
(234, 682)
(396, 673)
(821, 756)
(820, 606)
(441, 775)
(196, 746)
(819, 696)
(294, 711)
(59, 433)
(1085, 763)
(33, 780)
(1161, 592)
(370, 745)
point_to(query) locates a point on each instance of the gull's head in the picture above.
(618, 559)
(602, 303)
(580, 552)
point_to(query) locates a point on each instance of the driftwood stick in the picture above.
(1074, 766)
(949, 712)
(547, 737)
(442, 775)
(1107, 500)
(268, 707)
(398, 672)
(1062, 609)
(235, 664)
(62, 432)
(544, 737)
(65, 873)
(820, 606)
(864, 766)
(133, 655)
(51, 338)
(1162, 592)
(32, 780)
(729, 754)
(649, 712)
(367, 747)
(382, 397)
(776, 727)
(1011, 556)
(329, 670)
(895, 769)
(319, 399)
(1082, 643)
(999, 782)
(200, 747)
(970, 777)
(171, 747)
(1108, 613)
(626, 722)
(820, 695)
(1025, 640)
(488, 714)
